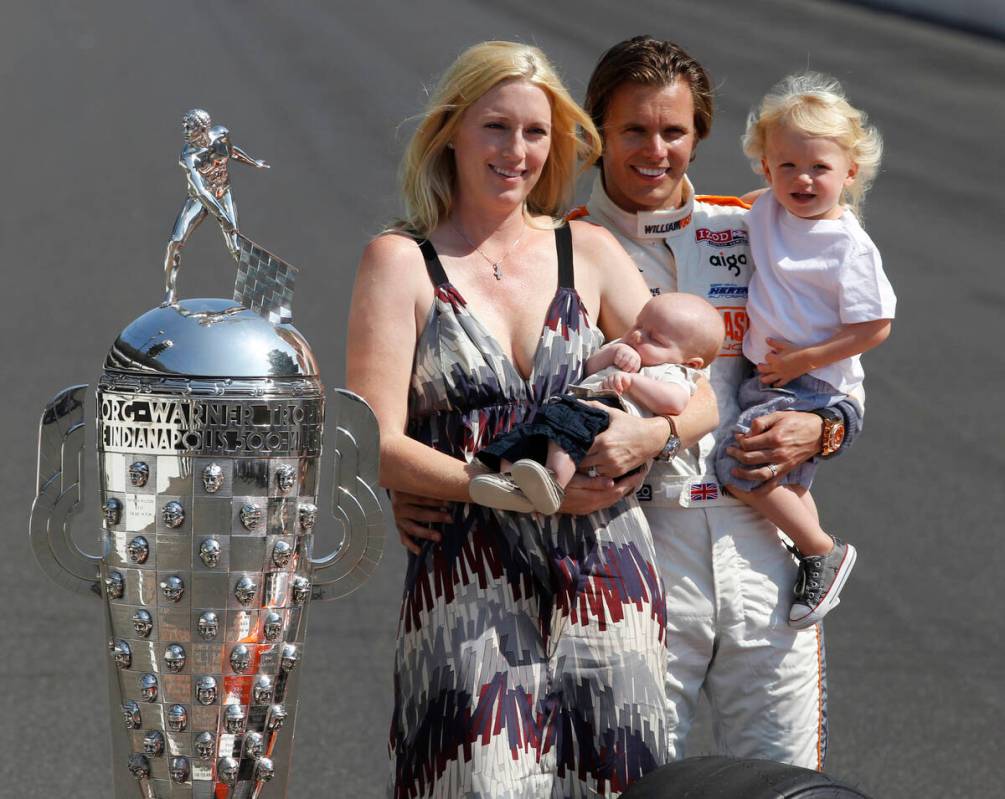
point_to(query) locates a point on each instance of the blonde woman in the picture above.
(531, 657)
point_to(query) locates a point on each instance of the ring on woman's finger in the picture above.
(773, 469)
(592, 472)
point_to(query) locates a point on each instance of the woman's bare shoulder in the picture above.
(592, 238)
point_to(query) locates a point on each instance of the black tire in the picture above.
(728, 778)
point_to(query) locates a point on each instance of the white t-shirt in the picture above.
(811, 276)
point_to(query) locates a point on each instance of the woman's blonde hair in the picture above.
(427, 169)
(815, 104)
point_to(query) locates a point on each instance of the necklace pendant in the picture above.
(497, 271)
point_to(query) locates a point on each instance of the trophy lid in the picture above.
(211, 338)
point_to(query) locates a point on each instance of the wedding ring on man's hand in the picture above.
(773, 469)
(592, 471)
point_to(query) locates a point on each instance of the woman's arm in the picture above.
(390, 301)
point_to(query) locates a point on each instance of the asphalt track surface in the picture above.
(92, 96)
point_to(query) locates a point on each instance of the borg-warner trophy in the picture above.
(210, 417)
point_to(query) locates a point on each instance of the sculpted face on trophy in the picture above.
(240, 658)
(282, 551)
(226, 770)
(138, 549)
(209, 552)
(143, 623)
(273, 626)
(301, 590)
(173, 588)
(205, 745)
(112, 511)
(208, 625)
(233, 719)
(139, 473)
(286, 477)
(139, 766)
(262, 690)
(212, 478)
(245, 590)
(307, 516)
(264, 770)
(276, 718)
(254, 745)
(289, 658)
(174, 658)
(121, 653)
(205, 690)
(177, 718)
(115, 585)
(149, 687)
(131, 715)
(251, 516)
(153, 743)
(173, 514)
(179, 769)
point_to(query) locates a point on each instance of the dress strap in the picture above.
(433, 265)
(563, 243)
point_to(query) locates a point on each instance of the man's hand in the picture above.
(784, 438)
(783, 363)
(414, 515)
(617, 381)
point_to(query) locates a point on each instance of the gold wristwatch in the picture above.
(833, 431)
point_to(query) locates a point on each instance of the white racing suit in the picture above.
(728, 575)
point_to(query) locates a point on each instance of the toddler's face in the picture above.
(807, 173)
(655, 338)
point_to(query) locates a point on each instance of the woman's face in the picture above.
(502, 143)
(648, 140)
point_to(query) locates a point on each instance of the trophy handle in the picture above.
(58, 491)
(354, 501)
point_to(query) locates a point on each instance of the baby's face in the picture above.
(654, 336)
(807, 173)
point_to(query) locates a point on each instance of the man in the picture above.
(726, 569)
(205, 158)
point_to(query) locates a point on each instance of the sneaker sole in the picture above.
(538, 486)
(832, 598)
(492, 492)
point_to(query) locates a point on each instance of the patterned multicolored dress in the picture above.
(531, 651)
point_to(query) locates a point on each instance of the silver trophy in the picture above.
(210, 417)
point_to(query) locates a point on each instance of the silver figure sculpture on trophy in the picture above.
(210, 416)
(206, 158)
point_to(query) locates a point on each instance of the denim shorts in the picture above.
(805, 393)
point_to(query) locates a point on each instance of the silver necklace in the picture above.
(497, 264)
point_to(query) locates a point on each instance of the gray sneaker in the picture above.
(818, 587)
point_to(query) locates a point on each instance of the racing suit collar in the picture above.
(644, 225)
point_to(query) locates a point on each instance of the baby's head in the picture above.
(817, 152)
(677, 328)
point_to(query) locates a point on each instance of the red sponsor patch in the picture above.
(736, 322)
(721, 238)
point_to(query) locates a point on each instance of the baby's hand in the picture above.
(626, 359)
(783, 363)
(618, 381)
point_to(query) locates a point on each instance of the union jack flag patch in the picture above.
(704, 492)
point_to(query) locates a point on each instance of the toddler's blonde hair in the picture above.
(815, 105)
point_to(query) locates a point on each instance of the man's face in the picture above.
(649, 137)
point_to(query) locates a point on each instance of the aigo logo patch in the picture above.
(736, 322)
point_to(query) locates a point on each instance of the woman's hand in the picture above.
(586, 494)
(414, 515)
(627, 442)
(784, 439)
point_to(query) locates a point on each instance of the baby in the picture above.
(818, 299)
(651, 370)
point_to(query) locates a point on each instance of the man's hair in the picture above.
(428, 170)
(648, 62)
